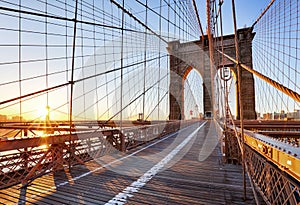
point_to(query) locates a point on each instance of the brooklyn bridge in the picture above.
(149, 102)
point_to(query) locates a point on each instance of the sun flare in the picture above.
(43, 112)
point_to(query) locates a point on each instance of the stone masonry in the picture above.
(186, 56)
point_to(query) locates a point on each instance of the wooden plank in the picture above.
(189, 181)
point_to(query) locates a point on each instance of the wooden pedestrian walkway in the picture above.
(184, 168)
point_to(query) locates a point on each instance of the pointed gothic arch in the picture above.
(184, 56)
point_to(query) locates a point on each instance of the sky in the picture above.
(247, 12)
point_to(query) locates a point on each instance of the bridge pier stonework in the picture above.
(186, 56)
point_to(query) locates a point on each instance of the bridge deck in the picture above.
(178, 169)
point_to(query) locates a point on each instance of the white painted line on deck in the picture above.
(121, 198)
(106, 165)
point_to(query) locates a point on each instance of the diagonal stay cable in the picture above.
(72, 20)
(35, 93)
(138, 20)
(69, 83)
(282, 88)
(152, 86)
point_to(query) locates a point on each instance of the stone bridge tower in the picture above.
(186, 56)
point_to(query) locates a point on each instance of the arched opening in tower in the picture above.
(193, 94)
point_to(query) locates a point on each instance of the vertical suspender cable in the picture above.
(82, 62)
(174, 23)
(20, 59)
(240, 95)
(121, 86)
(296, 52)
(216, 33)
(95, 59)
(168, 20)
(226, 92)
(222, 59)
(66, 53)
(72, 76)
(73, 65)
(145, 61)
(105, 62)
(159, 56)
(211, 53)
(168, 65)
(47, 66)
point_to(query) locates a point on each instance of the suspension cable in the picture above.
(239, 94)
(263, 13)
(275, 84)
(198, 18)
(138, 20)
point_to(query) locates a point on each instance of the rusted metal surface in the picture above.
(193, 179)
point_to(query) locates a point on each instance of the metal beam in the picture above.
(285, 156)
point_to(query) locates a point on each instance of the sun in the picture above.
(43, 112)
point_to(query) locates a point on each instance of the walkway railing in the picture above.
(25, 159)
(272, 164)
